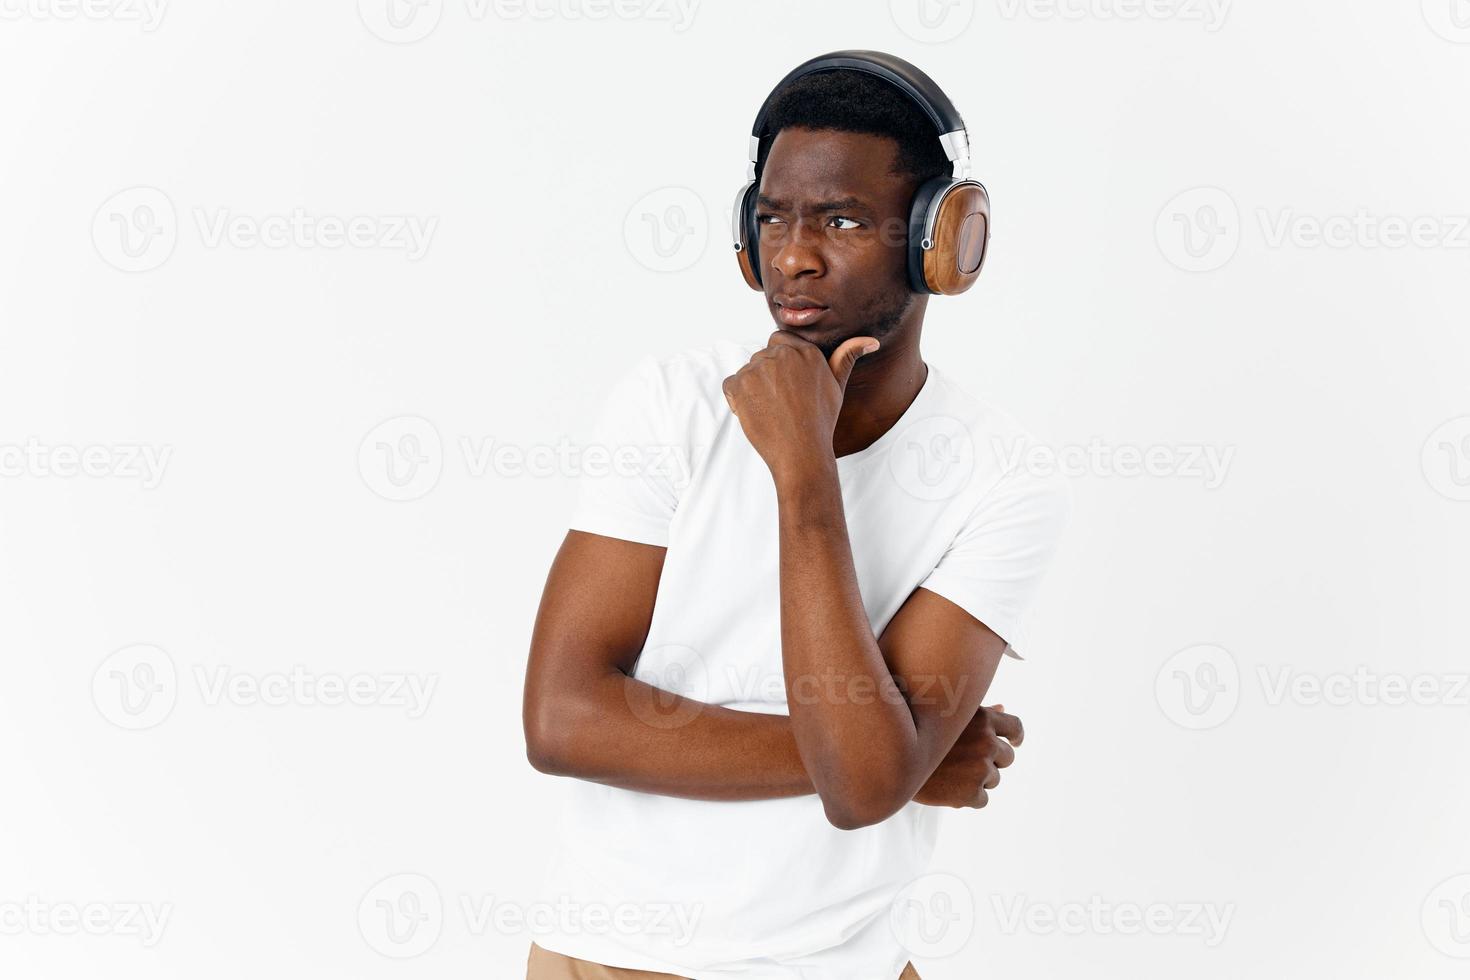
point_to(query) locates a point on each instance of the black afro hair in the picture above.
(856, 102)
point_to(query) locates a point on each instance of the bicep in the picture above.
(594, 616)
(944, 659)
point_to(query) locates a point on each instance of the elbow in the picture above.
(864, 807)
(542, 755)
(546, 742)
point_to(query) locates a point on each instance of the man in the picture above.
(764, 671)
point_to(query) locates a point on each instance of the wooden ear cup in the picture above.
(961, 239)
(748, 255)
(747, 268)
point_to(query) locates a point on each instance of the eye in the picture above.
(760, 219)
(852, 222)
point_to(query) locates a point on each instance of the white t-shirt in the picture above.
(768, 889)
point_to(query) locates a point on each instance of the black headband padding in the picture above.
(894, 70)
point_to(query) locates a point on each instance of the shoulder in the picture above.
(688, 383)
(1008, 460)
(679, 394)
(697, 373)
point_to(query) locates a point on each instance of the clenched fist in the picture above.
(972, 768)
(788, 396)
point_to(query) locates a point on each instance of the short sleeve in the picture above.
(998, 559)
(630, 478)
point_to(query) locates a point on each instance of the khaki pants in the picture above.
(546, 965)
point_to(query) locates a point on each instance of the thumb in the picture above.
(845, 356)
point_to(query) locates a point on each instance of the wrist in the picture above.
(807, 483)
(805, 469)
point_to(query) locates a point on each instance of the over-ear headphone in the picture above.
(949, 219)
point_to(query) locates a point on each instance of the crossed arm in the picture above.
(915, 732)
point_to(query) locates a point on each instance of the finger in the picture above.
(1006, 726)
(993, 780)
(785, 338)
(1004, 754)
(845, 356)
(981, 799)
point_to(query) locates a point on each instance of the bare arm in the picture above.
(868, 743)
(586, 718)
(873, 718)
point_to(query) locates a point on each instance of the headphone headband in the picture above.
(948, 124)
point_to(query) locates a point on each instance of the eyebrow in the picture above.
(844, 204)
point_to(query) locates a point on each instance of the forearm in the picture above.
(623, 732)
(852, 725)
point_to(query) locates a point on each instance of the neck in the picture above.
(882, 387)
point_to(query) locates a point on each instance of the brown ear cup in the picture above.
(746, 270)
(748, 240)
(961, 240)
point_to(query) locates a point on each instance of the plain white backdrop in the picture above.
(303, 304)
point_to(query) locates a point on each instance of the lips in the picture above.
(798, 311)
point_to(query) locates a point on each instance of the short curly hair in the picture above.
(856, 102)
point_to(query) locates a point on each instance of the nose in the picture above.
(795, 250)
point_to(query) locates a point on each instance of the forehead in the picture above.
(820, 164)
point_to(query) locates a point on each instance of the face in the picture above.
(833, 229)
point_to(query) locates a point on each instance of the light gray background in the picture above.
(1158, 171)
